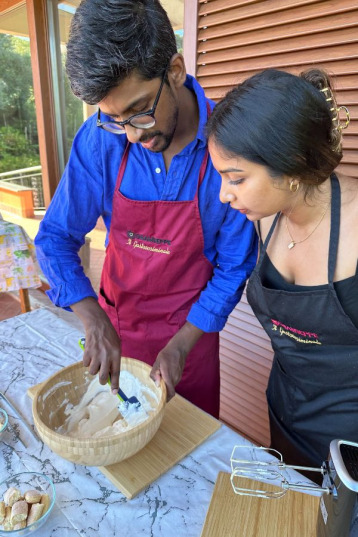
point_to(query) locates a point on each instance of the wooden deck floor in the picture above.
(9, 306)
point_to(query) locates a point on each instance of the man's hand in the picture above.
(103, 347)
(170, 362)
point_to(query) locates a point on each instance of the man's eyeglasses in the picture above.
(143, 120)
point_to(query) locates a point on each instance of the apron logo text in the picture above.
(132, 241)
(136, 244)
(132, 235)
(294, 333)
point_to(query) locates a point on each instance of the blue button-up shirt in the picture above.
(86, 191)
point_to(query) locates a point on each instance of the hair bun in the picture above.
(317, 78)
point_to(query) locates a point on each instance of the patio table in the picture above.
(19, 270)
(34, 346)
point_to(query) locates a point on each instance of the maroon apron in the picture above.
(154, 270)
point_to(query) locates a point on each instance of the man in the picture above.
(169, 280)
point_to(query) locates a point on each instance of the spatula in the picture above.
(121, 395)
(124, 399)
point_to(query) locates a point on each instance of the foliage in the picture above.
(18, 129)
(16, 150)
(179, 40)
(16, 93)
(74, 107)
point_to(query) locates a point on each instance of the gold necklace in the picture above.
(293, 243)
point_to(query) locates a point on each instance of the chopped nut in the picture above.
(20, 525)
(35, 513)
(7, 525)
(45, 501)
(33, 496)
(11, 496)
(19, 512)
(2, 512)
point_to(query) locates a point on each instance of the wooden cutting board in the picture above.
(231, 515)
(184, 427)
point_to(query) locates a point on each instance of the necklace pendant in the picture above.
(291, 245)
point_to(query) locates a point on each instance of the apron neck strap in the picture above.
(334, 234)
(267, 240)
(202, 171)
(206, 157)
(335, 225)
(122, 167)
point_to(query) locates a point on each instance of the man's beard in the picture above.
(165, 139)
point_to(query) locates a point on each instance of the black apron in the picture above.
(312, 392)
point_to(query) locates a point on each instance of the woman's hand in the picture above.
(170, 362)
(102, 352)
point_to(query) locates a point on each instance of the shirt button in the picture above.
(158, 170)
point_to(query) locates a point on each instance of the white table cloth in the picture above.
(34, 346)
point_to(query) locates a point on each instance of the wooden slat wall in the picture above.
(236, 39)
(245, 357)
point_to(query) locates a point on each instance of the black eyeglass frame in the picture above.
(128, 121)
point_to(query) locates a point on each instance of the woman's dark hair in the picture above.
(111, 38)
(281, 121)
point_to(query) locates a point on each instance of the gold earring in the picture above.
(294, 186)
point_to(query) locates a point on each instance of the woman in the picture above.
(276, 141)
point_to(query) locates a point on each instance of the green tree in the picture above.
(74, 107)
(179, 40)
(16, 151)
(16, 97)
(18, 138)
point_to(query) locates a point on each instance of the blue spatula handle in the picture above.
(132, 400)
(123, 395)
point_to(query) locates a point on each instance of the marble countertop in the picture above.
(32, 347)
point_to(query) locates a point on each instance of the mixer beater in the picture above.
(339, 482)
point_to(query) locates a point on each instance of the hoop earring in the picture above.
(294, 187)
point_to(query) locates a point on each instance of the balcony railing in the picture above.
(30, 178)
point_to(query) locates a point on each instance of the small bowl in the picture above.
(4, 421)
(25, 481)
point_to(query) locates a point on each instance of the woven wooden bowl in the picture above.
(67, 386)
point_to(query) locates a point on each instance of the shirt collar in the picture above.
(194, 86)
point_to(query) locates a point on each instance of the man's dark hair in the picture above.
(111, 38)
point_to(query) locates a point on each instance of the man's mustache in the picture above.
(144, 139)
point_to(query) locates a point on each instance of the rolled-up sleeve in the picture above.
(236, 254)
(73, 212)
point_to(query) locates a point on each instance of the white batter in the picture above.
(100, 413)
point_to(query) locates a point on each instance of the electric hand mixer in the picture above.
(339, 488)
